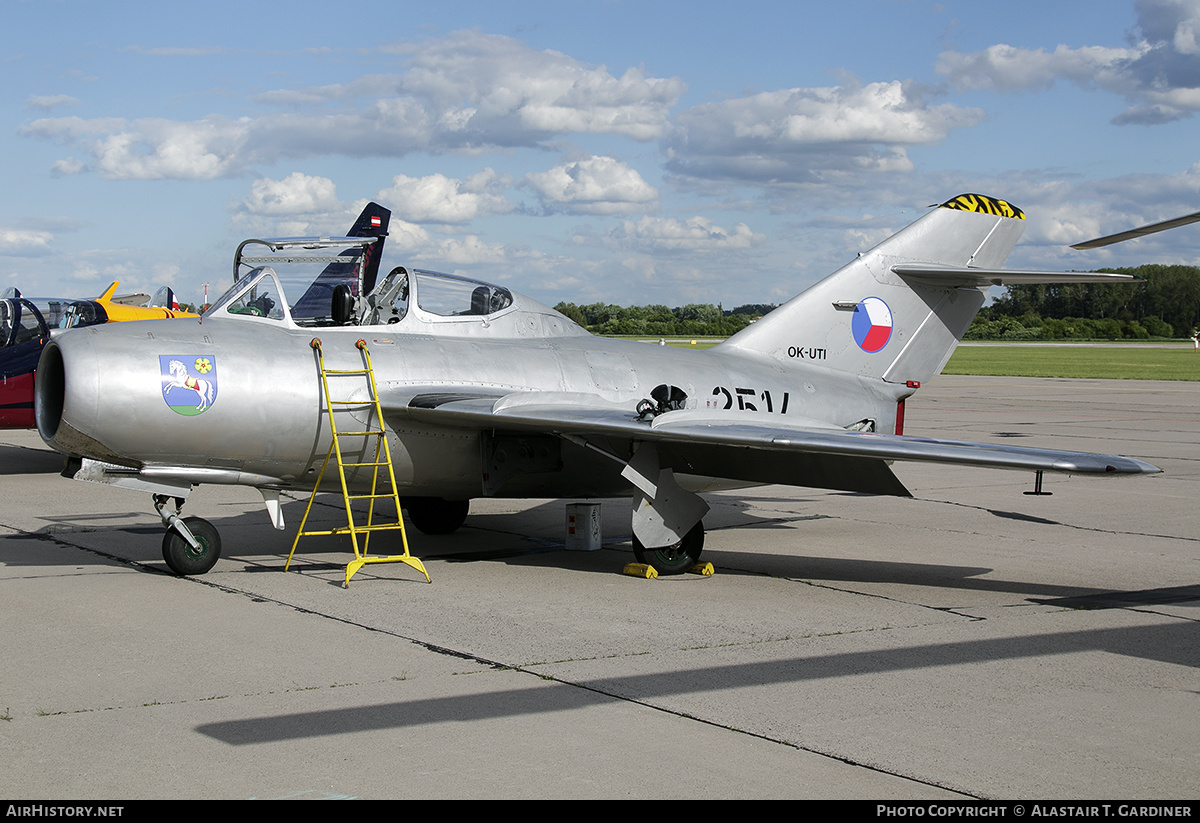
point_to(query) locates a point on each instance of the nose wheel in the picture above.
(191, 545)
(186, 560)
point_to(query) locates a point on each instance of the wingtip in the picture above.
(1103, 464)
(1131, 465)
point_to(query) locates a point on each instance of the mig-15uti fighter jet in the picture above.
(485, 392)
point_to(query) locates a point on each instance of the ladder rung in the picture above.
(368, 496)
(352, 465)
(362, 434)
(377, 527)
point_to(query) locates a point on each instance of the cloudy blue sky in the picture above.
(586, 150)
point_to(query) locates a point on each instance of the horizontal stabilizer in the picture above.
(940, 275)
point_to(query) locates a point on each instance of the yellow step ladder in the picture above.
(382, 457)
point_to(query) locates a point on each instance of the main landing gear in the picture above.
(676, 558)
(433, 515)
(191, 545)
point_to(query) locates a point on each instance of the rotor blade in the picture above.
(1141, 232)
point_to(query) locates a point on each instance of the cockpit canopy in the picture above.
(260, 293)
(328, 275)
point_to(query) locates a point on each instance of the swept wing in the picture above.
(796, 452)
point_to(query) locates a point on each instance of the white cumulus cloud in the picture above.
(151, 149)
(499, 90)
(25, 242)
(50, 101)
(596, 185)
(436, 198)
(810, 134)
(466, 92)
(295, 194)
(696, 234)
(1159, 74)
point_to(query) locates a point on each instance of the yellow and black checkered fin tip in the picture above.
(985, 204)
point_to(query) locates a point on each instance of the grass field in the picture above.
(1120, 362)
(1108, 362)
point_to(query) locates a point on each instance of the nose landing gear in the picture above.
(191, 545)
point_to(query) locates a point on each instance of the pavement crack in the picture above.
(756, 735)
(1066, 525)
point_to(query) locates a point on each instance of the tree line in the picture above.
(692, 320)
(1164, 303)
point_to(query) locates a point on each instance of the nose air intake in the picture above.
(49, 391)
(64, 403)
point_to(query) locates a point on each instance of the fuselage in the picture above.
(239, 396)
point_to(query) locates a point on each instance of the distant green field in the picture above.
(1107, 362)
(1122, 362)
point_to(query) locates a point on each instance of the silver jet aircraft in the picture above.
(486, 392)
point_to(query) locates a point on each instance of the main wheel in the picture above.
(433, 515)
(676, 558)
(185, 560)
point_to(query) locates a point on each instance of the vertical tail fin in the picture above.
(869, 320)
(373, 222)
(165, 298)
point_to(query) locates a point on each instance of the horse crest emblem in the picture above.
(189, 382)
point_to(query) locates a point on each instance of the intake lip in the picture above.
(49, 392)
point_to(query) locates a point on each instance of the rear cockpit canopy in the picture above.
(434, 297)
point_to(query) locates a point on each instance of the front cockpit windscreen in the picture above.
(262, 300)
(257, 294)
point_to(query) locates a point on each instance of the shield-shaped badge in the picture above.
(189, 382)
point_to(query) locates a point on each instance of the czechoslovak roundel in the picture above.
(872, 324)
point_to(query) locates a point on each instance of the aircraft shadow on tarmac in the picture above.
(16, 460)
(1176, 643)
(531, 538)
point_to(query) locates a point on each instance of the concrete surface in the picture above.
(969, 642)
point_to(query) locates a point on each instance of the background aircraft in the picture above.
(1141, 231)
(486, 392)
(26, 325)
